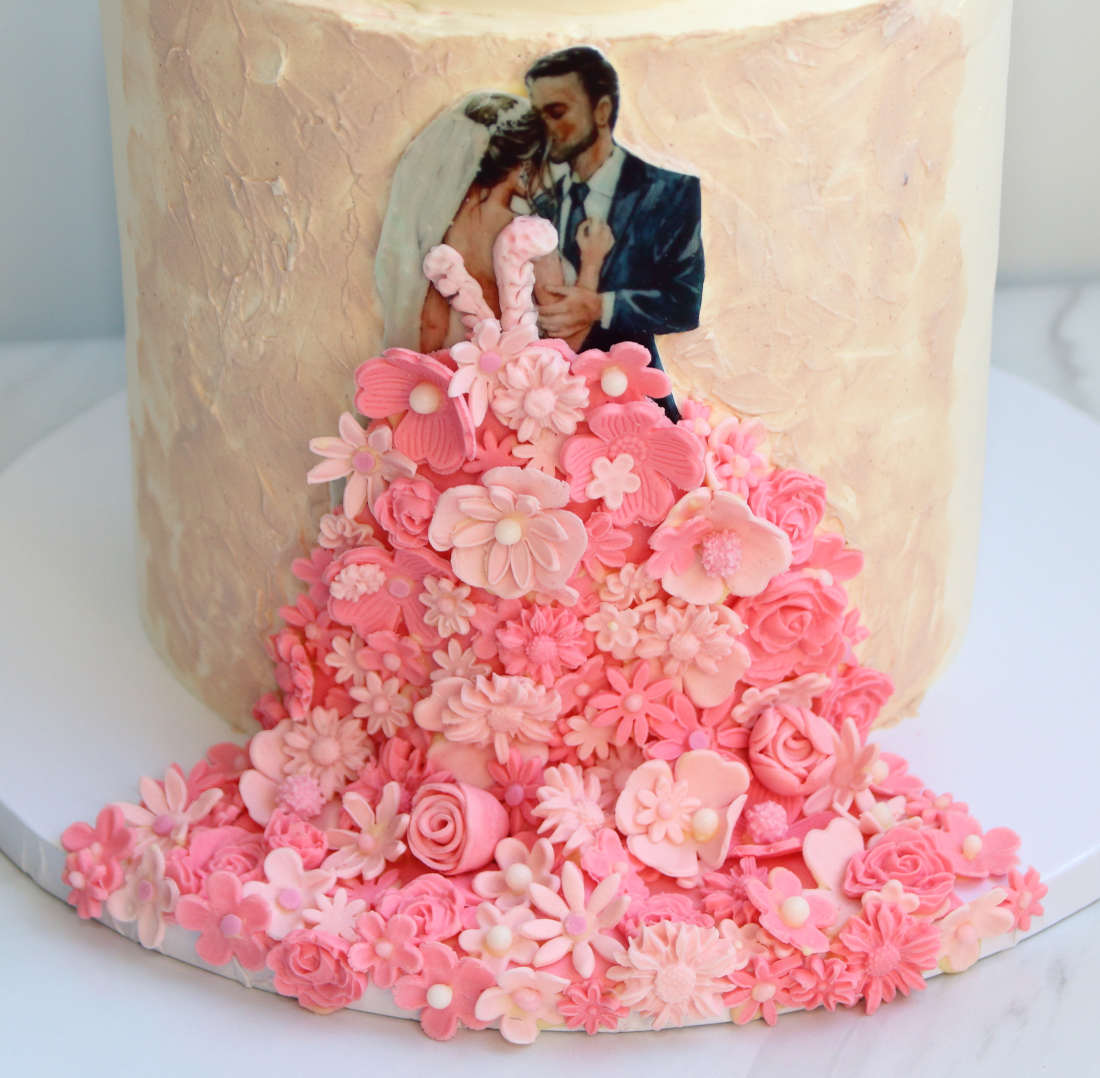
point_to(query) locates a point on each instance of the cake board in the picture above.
(89, 707)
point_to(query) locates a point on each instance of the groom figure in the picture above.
(652, 279)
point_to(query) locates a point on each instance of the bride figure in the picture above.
(473, 169)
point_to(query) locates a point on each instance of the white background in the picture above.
(59, 262)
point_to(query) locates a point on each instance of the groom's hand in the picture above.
(573, 310)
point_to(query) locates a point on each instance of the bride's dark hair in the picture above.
(516, 134)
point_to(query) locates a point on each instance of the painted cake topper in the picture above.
(569, 732)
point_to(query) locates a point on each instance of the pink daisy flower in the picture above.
(630, 706)
(591, 1005)
(626, 373)
(543, 643)
(760, 989)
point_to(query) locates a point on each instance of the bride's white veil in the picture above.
(429, 184)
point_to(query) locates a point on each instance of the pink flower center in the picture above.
(767, 822)
(289, 898)
(399, 588)
(356, 581)
(163, 824)
(543, 649)
(675, 984)
(364, 462)
(698, 739)
(367, 843)
(144, 891)
(722, 552)
(383, 948)
(489, 362)
(230, 925)
(527, 1000)
(513, 796)
(634, 703)
(883, 960)
(325, 751)
(539, 403)
(762, 993)
(575, 924)
(380, 706)
(391, 662)
(967, 934)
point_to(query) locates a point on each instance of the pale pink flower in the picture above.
(630, 706)
(613, 480)
(607, 544)
(746, 940)
(434, 428)
(344, 661)
(289, 889)
(498, 938)
(577, 688)
(664, 458)
(587, 739)
(515, 786)
(536, 392)
(543, 643)
(391, 655)
(630, 586)
(147, 897)
(481, 359)
(616, 630)
(542, 453)
(569, 806)
(167, 812)
(761, 990)
(711, 546)
(675, 818)
(853, 765)
(386, 948)
(698, 644)
(518, 867)
(327, 748)
(626, 373)
(972, 852)
(732, 462)
(231, 925)
(674, 973)
(458, 662)
(367, 460)
(962, 930)
(93, 868)
(339, 532)
(606, 855)
(448, 606)
(525, 1001)
(446, 990)
(385, 705)
(791, 914)
(376, 840)
(510, 534)
(576, 924)
(336, 915)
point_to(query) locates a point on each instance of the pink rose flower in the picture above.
(792, 751)
(313, 968)
(228, 849)
(909, 856)
(795, 502)
(405, 510)
(858, 693)
(455, 827)
(286, 829)
(432, 901)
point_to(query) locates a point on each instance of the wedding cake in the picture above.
(636, 355)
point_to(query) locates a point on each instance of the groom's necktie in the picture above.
(570, 248)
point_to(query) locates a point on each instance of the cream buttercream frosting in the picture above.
(847, 159)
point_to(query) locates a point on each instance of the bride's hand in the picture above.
(594, 239)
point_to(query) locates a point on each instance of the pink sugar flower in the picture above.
(794, 502)
(146, 896)
(312, 967)
(975, 854)
(358, 595)
(454, 827)
(535, 392)
(325, 747)
(167, 811)
(510, 534)
(606, 855)
(543, 643)
(853, 765)
(1025, 892)
(391, 655)
(367, 460)
(822, 980)
(631, 705)
(675, 818)
(386, 948)
(761, 990)
(792, 751)
(569, 806)
(674, 973)
(93, 868)
(858, 694)
(515, 785)
(591, 1005)
(481, 359)
(405, 509)
(587, 740)
(908, 855)
(517, 868)
(711, 546)
(230, 925)
(434, 902)
(446, 990)
(289, 888)
(525, 1001)
(498, 937)
(623, 374)
(889, 949)
(448, 607)
(962, 930)
(732, 462)
(577, 688)
(791, 914)
(607, 544)
(576, 924)
(385, 706)
(376, 839)
(615, 629)
(339, 532)
(664, 458)
(335, 914)
(434, 428)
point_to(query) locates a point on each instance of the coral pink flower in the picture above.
(358, 595)
(386, 948)
(624, 374)
(289, 888)
(711, 546)
(367, 460)
(975, 854)
(761, 990)
(454, 827)
(376, 840)
(663, 457)
(231, 925)
(517, 868)
(481, 359)
(510, 534)
(448, 607)
(889, 949)
(525, 1001)
(93, 868)
(405, 509)
(606, 855)
(962, 930)
(592, 1005)
(790, 914)
(822, 980)
(446, 990)
(732, 462)
(147, 897)
(516, 784)
(535, 392)
(910, 856)
(630, 706)
(498, 938)
(675, 973)
(795, 502)
(543, 643)
(434, 902)
(676, 818)
(434, 428)
(1025, 894)
(569, 806)
(576, 924)
(858, 693)
(313, 968)
(283, 829)
(167, 811)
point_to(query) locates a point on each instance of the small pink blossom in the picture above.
(760, 990)
(632, 705)
(1025, 892)
(607, 544)
(327, 748)
(448, 604)
(615, 630)
(543, 643)
(405, 510)
(147, 896)
(613, 480)
(343, 659)
(910, 856)
(289, 889)
(732, 462)
(313, 968)
(376, 840)
(962, 930)
(367, 460)
(481, 358)
(167, 811)
(339, 532)
(517, 868)
(386, 948)
(525, 1001)
(790, 914)
(446, 991)
(391, 655)
(231, 925)
(515, 785)
(822, 980)
(606, 855)
(569, 806)
(625, 373)
(588, 740)
(974, 853)
(336, 914)
(385, 706)
(93, 868)
(536, 392)
(591, 1005)
(498, 938)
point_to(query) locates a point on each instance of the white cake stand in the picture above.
(1012, 728)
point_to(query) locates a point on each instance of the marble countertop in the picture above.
(1029, 1010)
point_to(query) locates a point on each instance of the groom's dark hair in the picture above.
(590, 65)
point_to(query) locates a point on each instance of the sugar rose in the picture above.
(405, 510)
(455, 827)
(795, 502)
(312, 967)
(432, 901)
(791, 750)
(908, 856)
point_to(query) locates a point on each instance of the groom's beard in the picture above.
(569, 152)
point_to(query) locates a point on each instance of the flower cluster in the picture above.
(568, 725)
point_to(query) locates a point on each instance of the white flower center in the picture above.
(795, 911)
(704, 824)
(498, 940)
(439, 996)
(518, 877)
(425, 398)
(508, 531)
(614, 382)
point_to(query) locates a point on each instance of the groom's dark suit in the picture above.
(655, 267)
